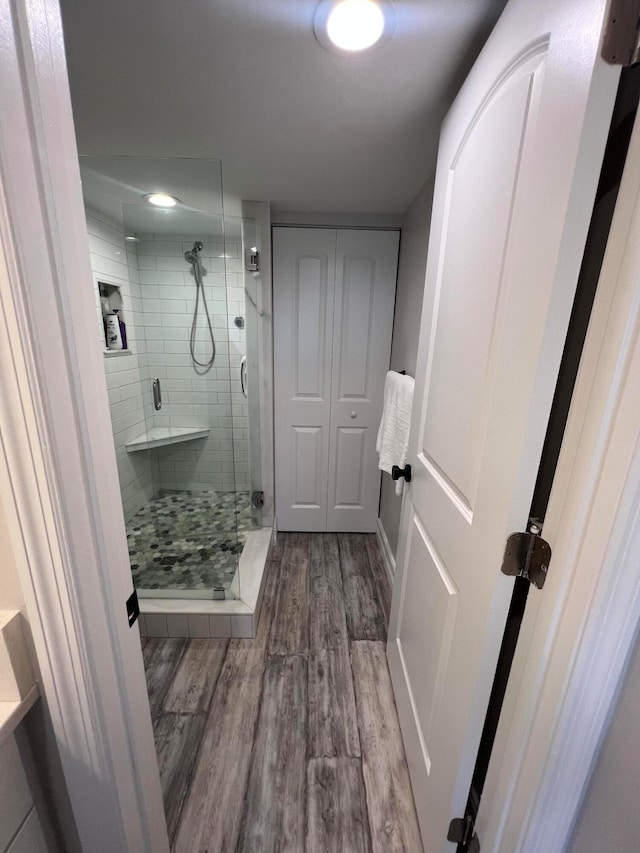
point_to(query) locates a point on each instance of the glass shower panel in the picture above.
(117, 289)
(183, 539)
(243, 280)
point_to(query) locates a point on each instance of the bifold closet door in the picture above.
(304, 261)
(334, 296)
(366, 269)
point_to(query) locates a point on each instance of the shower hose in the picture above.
(197, 272)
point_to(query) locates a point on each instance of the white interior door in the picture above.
(333, 301)
(304, 261)
(366, 269)
(518, 163)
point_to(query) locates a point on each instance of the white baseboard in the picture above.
(385, 550)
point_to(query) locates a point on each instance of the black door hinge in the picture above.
(621, 39)
(133, 608)
(527, 555)
(462, 833)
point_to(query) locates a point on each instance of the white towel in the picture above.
(393, 436)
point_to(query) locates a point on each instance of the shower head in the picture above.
(192, 255)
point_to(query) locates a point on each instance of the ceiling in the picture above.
(246, 81)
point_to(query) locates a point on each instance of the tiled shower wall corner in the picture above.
(192, 397)
(113, 261)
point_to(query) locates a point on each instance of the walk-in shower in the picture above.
(178, 391)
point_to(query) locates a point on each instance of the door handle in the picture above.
(243, 375)
(405, 472)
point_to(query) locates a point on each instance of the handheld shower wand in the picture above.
(193, 257)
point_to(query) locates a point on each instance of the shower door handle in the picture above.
(157, 395)
(243, 375)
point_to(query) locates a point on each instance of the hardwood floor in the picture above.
(289, 742)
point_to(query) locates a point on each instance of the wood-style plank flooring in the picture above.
(288, 742)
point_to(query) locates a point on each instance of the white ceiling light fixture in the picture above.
(350, 26)
(355, 24)
(161, 199)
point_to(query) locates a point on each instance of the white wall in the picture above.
(610, 815)
(190, 395)
(114, 261)
(11, 597)
(336, 220)
(406, 326)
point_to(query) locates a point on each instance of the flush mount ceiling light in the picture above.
(355, 24)
(161, 199)
(351, 26)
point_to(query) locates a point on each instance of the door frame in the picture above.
(56, 447)
(58, 475)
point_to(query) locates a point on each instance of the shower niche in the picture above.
(113, 319)
(185, 467)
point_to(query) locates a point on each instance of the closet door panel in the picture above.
(366, 270)
(303, 306)
(351, 443)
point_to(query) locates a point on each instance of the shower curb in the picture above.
(180, 617)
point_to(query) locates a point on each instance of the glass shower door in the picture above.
(183, 537)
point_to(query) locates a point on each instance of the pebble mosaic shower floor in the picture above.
(188, 540)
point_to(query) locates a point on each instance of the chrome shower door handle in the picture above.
(243, 375)
(157, 395)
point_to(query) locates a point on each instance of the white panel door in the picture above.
(518, 163)
(333, 302)
(366, 267)
(303, 295)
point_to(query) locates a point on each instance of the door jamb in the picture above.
(58, 478)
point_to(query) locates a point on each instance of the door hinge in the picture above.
(133, 608)
(462, 831)
(621, 39)
(527, 555)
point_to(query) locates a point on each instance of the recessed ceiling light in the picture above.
(161, 199)
(132, 239)
(355, 24)
(351, 26)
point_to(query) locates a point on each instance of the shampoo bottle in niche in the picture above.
(114, 338)
(123, 328)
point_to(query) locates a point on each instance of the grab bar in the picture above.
(157, 395)
(243, 375)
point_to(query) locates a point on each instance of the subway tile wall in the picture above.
(159, 291)
(114, 261)
(192, 395)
